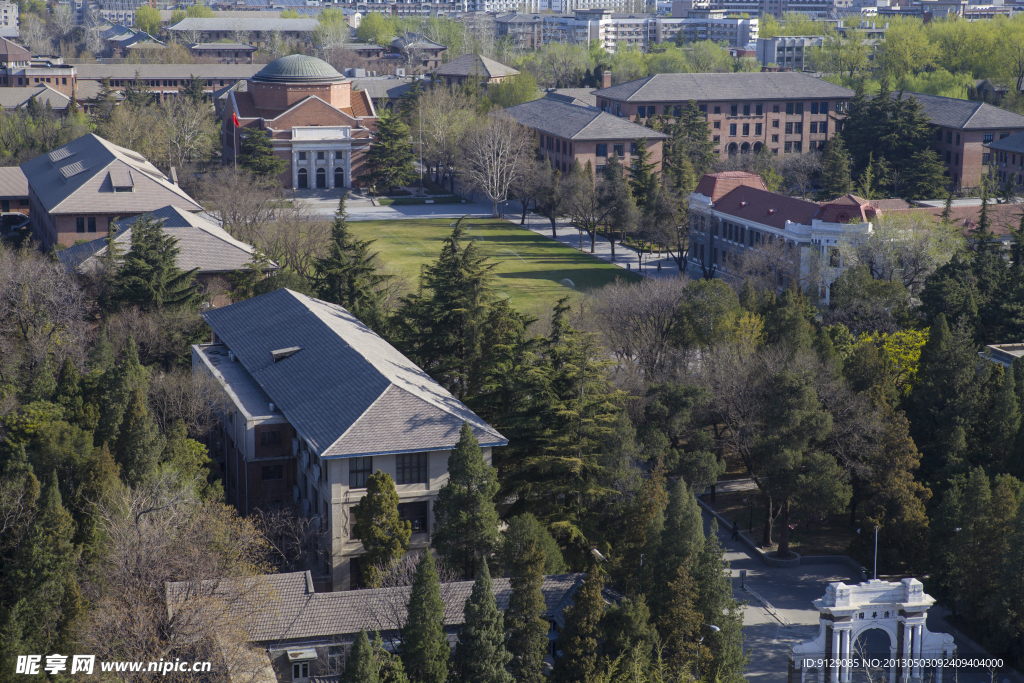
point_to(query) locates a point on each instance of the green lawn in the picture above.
(533, 272)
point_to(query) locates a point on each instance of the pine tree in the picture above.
(643, 180)
(424, 646)
(361, 667)
(390, 159)
(44, 573)
(139, 442)
(442, 325)
(679, 622)
(947, 208)
(629, 632)
(835, 175)
(682, 538)
(465, 519)
(257, 155)
(580, 636)
(137, 93)
(118, 384)
(625, 216)
(149, 276)
(1004, 422)
(716, 605)
(649, 502)
(925, 175)
(1010, 629)
(480, 656)
(692, 133)
(524, 618)
(525, 532)
(384, 535)
(194, 89)
(389, 664)
(347, 275)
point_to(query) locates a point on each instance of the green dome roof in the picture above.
(298, 69)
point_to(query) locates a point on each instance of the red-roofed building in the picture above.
(314, 120)
(733, 218)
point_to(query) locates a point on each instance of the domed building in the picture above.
(316, 123)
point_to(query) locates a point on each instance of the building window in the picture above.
(789, 128)
(319, 156)
(757, 129)
(789, 108)
(703, 109)
(814, 107)
(758, 109)
(619, 149)
(798, 146)
(300, 671)
(775, 138)
(718, 110)
(956, 158)
(746, 129)
(775, 123)
(602, 149)
(632, 148)
(411, 468)
(359, 470)
(985, 159)
(600, 169)
(718, 125)
(80, 224)
(302, 156)
(415, 514)
(823, 127)
(746, 110)
(733, 109)
(92, 223)
(716, 138)
(814, 127)
(775, 109)
(987, 137)
(273, 473)
(1003, 135)
(732, 129)
(799, 108)
(798, 127)
(789, 147)
(271, 437)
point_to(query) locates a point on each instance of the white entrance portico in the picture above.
(321, 156)
(847, 613)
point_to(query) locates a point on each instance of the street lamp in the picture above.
(713, 629)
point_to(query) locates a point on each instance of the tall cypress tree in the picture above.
(524, 618)
(442, 324)
(139, 443)
(348, 274)
(692, 133)
(1004, 423)
(683, 533)
(361, 667)
(466, 521)
(390, 159)
(717, 605)
(480, 656)
(835, 173)
(117, 385)
(149, 276)
(424, 647)
(580, 637)
(384, 535)
(625, 216)
(643, 180)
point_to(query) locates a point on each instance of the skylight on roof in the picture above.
(58, 154)
(73, 169)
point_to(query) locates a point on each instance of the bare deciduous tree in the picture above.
(194, 398)
(296, 542)
(495, 154)
(242, 201)
(62, 22)
(584, 202)
(190, 129)
(446, 115)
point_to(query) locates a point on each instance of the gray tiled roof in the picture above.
(245, 24)
(13, 182)
(1014, 143)
(378, 88)
(179, 71)
(222, 46)
(730, 86)
(347, 392)
(16, 97)
(203, 244)
(75, 178)
(580, 96)
(284, 607)
(573, 122)
(949, 112)
(475, 65)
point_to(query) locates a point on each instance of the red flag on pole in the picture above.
(234, 119)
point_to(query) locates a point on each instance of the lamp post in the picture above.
(713, 629)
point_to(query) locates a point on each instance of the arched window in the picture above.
(339, 177)
(303, 179)
(321, 178)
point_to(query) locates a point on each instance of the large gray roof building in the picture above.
(203, 245)
(950, 112)
(747, 87)
(85, 185)
(573, 122)
(485, 69)
(321, 402)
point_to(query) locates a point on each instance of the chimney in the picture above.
(606, 79)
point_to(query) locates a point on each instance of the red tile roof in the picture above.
(767, 208)
(847, 209)
(716, 185)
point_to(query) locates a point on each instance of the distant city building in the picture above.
(10, 25)
(785, 112)
(316, 122)
(754, 8)
(163, 80)
(789, 52)
(223, 53)
(1006, 156)
(18, 67)
(255, 31)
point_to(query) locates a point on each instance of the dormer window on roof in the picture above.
(280, 354)
(121, 180)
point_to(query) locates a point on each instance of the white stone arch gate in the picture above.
(845, 612)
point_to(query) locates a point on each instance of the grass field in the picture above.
(533, 272)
